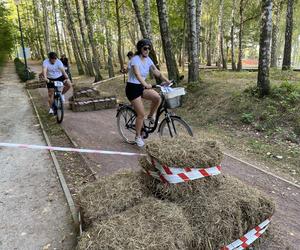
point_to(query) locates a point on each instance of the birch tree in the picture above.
(286, 63)
(166, 40)
(193, 64)
(263, 82)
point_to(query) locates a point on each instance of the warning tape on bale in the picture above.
(174, 175)
(79, 150)
(248, 238)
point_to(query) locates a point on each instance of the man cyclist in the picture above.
(54, 70)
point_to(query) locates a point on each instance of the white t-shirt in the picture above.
(53, 70)
(143, 67)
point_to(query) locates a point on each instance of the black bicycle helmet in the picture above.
(141, 43)
(52, 55)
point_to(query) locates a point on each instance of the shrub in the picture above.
(247, 118)
(22, 71)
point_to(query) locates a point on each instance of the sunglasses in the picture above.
(146, 48)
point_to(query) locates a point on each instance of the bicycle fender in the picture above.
(124, 106)
(175, 116)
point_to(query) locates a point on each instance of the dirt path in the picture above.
(34, 213)
(98, 130)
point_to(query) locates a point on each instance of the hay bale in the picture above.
(153, 224)
(220, 209)
(184, 151)
(177, 192)
(111, 195)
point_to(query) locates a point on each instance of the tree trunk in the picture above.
(56, 27)
(166, 40)
(209, 52)
(198, 25)
(233, 64)
(96, 62)
(37, 28)
(221, 58)
(46, 23)
(86, 46)
(143, 30)
(263, 82)
(73, 33)
(193, 74)
(275, 33)
(240, 55)
(147, 15)
(286, 63)
(121, 61)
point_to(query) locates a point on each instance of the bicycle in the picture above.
(171, 125)
(58, 105)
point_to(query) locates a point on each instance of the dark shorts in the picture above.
(134, 91)
(50, 85)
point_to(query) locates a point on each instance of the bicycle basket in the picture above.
(173, 99)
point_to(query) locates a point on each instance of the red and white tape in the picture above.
(249, 237)
(174, 175)
(79, 150)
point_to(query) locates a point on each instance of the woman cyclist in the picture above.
(137, 87)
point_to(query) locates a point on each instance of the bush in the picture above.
(22, 71)
(247, 118)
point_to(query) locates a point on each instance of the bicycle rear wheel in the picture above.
(59, 109)
(126, 124)
(174, 126)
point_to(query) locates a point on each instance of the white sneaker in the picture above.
(51, 112)
(63, 98)
(139, 141)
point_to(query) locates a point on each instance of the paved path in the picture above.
(34, 213)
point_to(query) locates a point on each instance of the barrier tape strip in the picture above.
(246, 240)
(174, 175)
(79, 150)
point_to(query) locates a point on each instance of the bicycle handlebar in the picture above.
(163, 84)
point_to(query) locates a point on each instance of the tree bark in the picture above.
(46, 23)
(147, 15)
(173, 72)
(96, 63)
(73, 33)
(209, 40)
(233, 63)
(193, 73)
(240, 55)
(198, 24)
(221, 58)
(286, 63)
(56, 27)
(263, 82)
(86, 46)
(275, 33)
(121, 60)
(143, 30)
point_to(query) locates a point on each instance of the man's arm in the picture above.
(62, 69)
(45, 73)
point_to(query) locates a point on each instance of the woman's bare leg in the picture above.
(154, 97)
(140, 111)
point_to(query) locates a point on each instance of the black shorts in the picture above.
(134, 91)
(50, 85)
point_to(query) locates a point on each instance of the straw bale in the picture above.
(220, 209)
(110, 195)
(184, 151)
(153, 224)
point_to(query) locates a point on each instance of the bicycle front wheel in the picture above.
(126, 124)
(59, 109)
(174, 126)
